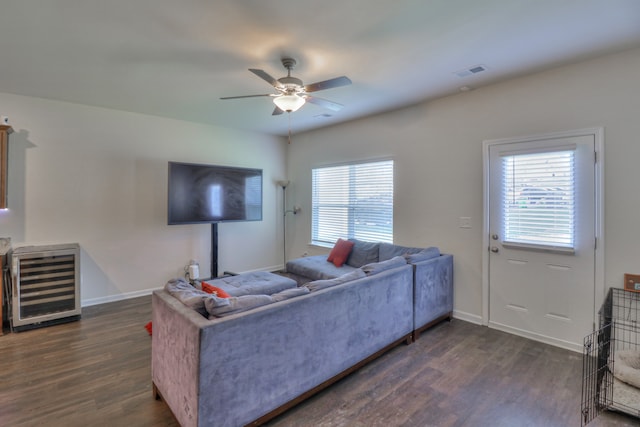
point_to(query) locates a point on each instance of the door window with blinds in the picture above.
(352, 201)
(539, 199)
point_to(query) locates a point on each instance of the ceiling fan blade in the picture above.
(247, 96)
(328, 84)
(277, 111)
(266, 77)
(324, 103)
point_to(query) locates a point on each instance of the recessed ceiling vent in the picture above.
(470, 71)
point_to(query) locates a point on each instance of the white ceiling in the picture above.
(177, 58)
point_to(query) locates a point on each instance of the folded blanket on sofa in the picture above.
(212, 306)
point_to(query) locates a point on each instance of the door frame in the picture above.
(598, 134)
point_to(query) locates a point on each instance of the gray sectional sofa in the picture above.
(432, 275)
(243, 365)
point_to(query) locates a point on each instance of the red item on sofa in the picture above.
(210, 289)
(340, 252)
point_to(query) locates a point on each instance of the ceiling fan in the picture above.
(292, 93)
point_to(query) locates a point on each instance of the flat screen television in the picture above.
(210, 194)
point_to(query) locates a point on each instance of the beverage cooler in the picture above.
(45, 285)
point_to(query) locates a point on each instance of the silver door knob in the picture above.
(494, 249)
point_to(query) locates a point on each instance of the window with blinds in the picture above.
(352, 201)
(539, 198)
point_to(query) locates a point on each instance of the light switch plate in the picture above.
(464, 222)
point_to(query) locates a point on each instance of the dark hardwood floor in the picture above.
(96, 372)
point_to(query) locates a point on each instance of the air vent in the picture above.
(471, 70)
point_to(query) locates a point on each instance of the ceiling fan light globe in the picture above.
(289, 103)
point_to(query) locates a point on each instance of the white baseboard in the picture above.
(468, 317)
(145, 292)
(119, 297)
(538, 337)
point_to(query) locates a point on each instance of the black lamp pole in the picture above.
(284, 184)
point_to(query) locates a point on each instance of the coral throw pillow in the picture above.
(340, 252)
(210, 289)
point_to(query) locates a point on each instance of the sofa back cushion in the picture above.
(379, 267)
(316, 267)
(317, 285)
(423, 255)
(221, 307)
(363, 253)
(387, 251)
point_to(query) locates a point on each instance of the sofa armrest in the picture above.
(433, 290)
(175, 355)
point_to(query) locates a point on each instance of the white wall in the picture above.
(98, 177)
(437, 148)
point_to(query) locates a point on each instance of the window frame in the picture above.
(528, 243)
(354, 181)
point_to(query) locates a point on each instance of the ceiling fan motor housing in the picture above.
(291, 84)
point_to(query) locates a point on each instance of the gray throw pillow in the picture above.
(363, 253)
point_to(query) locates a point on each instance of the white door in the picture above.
(541, 243)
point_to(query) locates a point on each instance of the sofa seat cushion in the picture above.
(254, 283)
(316, 268)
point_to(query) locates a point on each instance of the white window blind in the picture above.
(352, 201)
(253, 197)
(539, 194)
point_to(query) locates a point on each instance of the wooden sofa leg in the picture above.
(156, 393)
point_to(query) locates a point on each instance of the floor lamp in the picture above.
(284, 184)
(295, 210)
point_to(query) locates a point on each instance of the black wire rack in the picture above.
(618, 332)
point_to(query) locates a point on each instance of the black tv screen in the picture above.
(208, 193)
